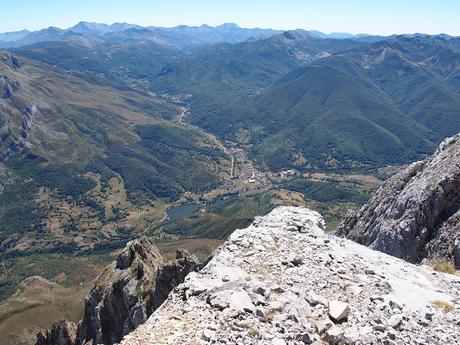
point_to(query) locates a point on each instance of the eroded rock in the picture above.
(62, 333)
(127, 292)
(415, 215)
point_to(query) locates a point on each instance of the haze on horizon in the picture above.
(354, 16)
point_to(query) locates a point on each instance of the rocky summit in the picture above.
(416, 214)
(283, 280)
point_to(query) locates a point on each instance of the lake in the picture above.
(181, 210)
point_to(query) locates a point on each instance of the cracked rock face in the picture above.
(126, 293)
(415, 215)
(283, 281)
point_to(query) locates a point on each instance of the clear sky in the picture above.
(354, 16)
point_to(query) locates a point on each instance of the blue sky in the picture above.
(355, 16)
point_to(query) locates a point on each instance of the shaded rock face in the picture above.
(7, 87)
(171, 275)
(283, 280)
(17, 144)
(127, 292)
(10, 60)
(457, 252)
(415, 215)
(4, 128)
(62, 333)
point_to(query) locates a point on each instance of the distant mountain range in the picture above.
(179, 36)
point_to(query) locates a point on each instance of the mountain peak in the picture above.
(228, 26)
(285, 270)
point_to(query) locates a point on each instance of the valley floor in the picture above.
(59, 287)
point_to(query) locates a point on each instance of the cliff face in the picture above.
(416, 214)
(124, 295)
(62, 333)
(283, 280)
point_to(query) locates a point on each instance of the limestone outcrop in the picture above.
(415, 215)
(283, 280)
(7, 87)
(126, 293)
(16, 144)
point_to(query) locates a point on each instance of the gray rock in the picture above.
(457, 252)
(199, 286)
(127, 292)
(304, 337)
(261, 289)
(297, 260)
(292, 313)
(323, 325)
(278, 341)
(315, 299)
(415, 214)
(257, 299)
(62, 333)
(260, 312)
(209, 335)
(379, 327)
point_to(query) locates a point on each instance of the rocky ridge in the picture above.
(415, 215)
(13, 132)
(283, 280)
(17, 144)
(62, 332)
(7, 87)
(124, 295)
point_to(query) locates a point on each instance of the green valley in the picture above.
(110, 132)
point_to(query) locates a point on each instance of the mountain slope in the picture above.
(387, 102)
(416, 213)
(223, 71)
(141, 277)
(133, 63)
(85, 157)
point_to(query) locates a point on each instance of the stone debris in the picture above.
(338, 311)
(339, 292)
